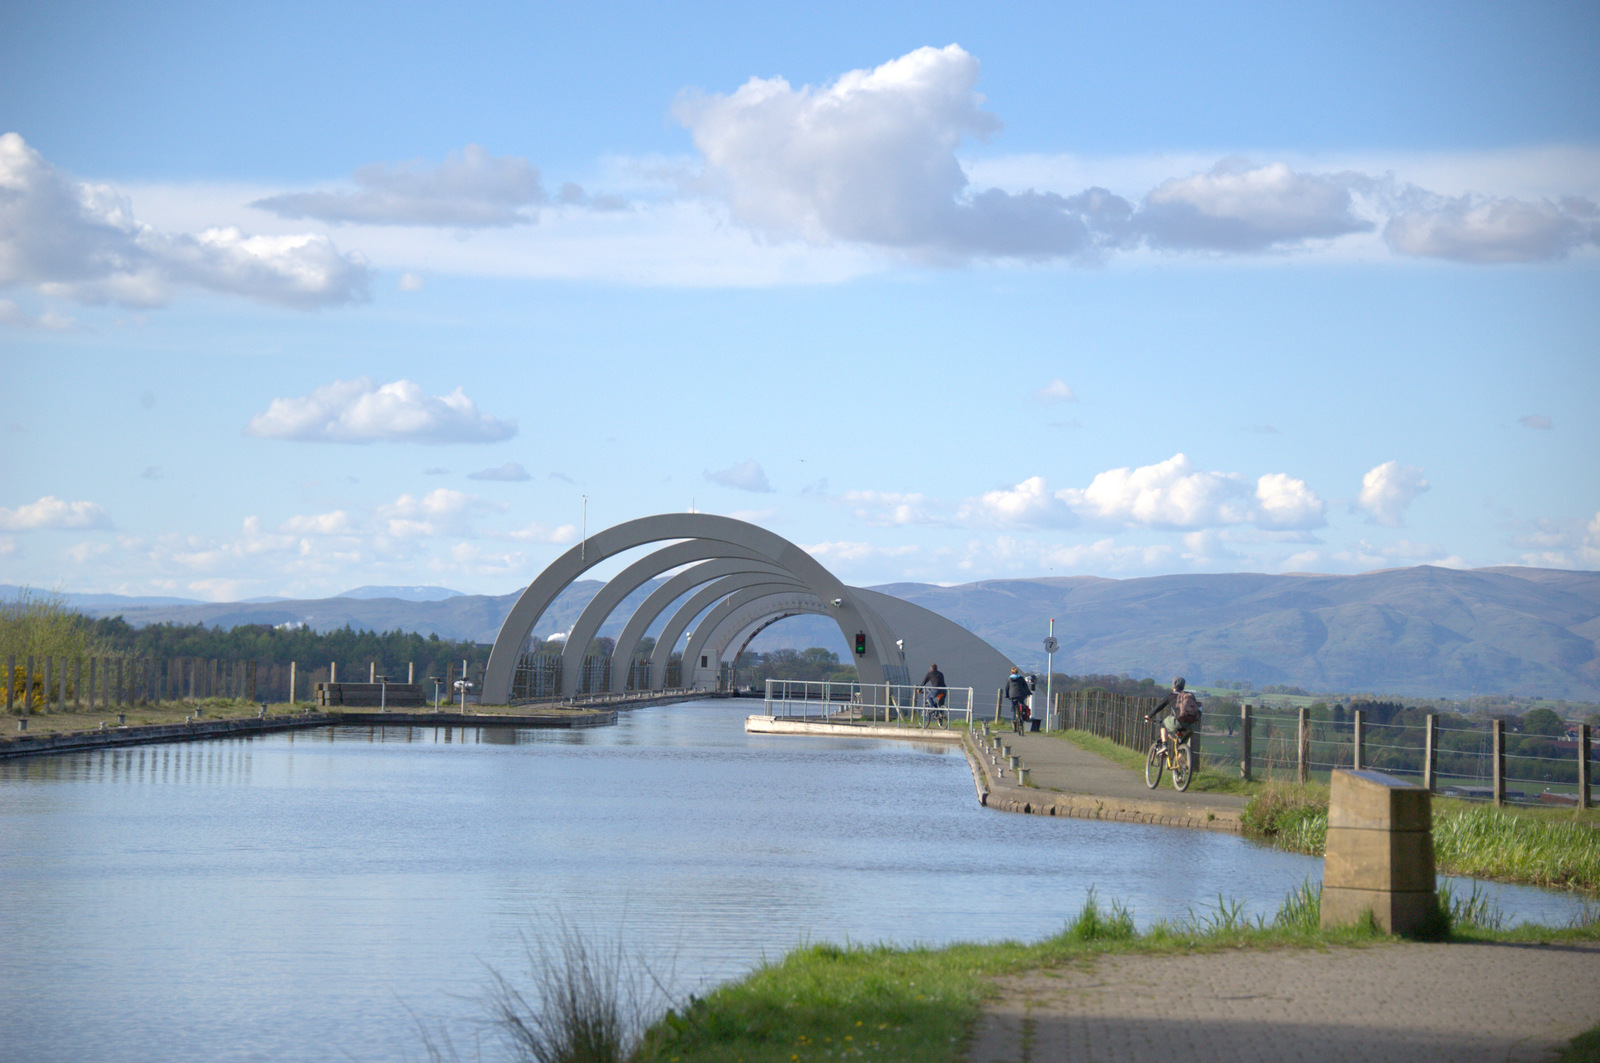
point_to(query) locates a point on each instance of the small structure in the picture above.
(1380, 853)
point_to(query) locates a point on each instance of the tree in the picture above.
(1543, 722)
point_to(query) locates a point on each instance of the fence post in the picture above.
(333, 671)
(1303, 747)
(1499, 732)
(411, 673)
(372, 672)
(1358, 741)
(1583, 765)
(1430, 752)
(1244, 742)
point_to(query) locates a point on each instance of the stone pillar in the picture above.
(1244, 742)
(1379, 853)
(1358, 742)
(1303, 746)
(1430, 752)
(1583, 765)
(1499, 754)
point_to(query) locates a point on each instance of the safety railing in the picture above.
(900, 704)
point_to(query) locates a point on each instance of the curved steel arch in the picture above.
(753, 610)
(702, 600)
(669, 592)
(619, 587)
(849, 612)
(753, 625)
(706, 630)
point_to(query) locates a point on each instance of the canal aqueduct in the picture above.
(739, 579)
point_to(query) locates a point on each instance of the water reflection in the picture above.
(202, 894)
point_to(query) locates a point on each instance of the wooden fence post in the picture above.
(1499, 732)
(1358, 741)
(1303, 747)
(1583, 765)
(1244, 742)
(292, 678)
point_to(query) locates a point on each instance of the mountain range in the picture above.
(1422, 631)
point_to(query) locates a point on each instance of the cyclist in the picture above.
(1017, 692)
(1185, 714)
(934, 681)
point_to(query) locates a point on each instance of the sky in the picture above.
(300, 297)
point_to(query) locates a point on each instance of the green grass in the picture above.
(919, 1005)
(1206, 780)
(1584, 1048)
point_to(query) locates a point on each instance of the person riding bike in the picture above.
(1185, 714)
(1017, 692)
(934, 681)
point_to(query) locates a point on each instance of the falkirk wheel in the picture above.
(742, 578)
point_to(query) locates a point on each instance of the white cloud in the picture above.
(1237, 207)
(442, 511)
(851, 552)
(1367, 555)
(79, 241)
(470, 189)
(745, 476)
(1055, 391)
(1029, 504)
(1560, 544)
(338, 522)
(1026, 555)
(886, 508)
(871, 158)
(1169, 494)
(359, 411)
(51, 513)
(509, 472)
(1386, 491)
(1493, 229)
(1285, 502)
(1535, 420)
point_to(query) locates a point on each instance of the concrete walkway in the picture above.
(1405, 1003)
(1067, 781)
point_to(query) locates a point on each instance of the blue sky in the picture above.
(296, 299)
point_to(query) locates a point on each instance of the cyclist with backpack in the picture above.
(1185, 714)
(1017, 691)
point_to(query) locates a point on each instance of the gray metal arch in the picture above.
(663, 596)
(739, 612)
(706, 630)
(752, 626)
(619, 587)
(849, 611)
(686, 613)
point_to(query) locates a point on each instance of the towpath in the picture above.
(1405, 1003)
(1065, 780)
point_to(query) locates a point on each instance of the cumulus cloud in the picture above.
(745, 476)
(338, 522)
(1055, 391)
(1560, 543)
(470, 189)
(51, 513)
(79, 241)
(1287, 503)
(1029, 503)
(888, 508)
(871, 158)
(442, 511)
(360, 411)
(1237, 207)
(1481, 229)
(1386, 491)
(510, 472)
(1535, 420)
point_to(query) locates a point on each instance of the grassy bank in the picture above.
(920, 1005)
(1533, 846)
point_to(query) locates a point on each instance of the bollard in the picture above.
(199, 712)
(1379, 852)
(102, 725)
(1022, 775)
(1013, 763)
(122, 718)
(22, 724)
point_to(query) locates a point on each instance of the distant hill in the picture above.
(409, 594)
(1421, 631)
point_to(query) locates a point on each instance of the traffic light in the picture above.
(861, 643)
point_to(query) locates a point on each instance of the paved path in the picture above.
(1406, 1003)
(1069, 781)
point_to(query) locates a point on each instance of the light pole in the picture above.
(383, 692)
(437, 681)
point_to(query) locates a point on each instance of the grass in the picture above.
(1584, 1048)
(1206, 780)
(918, 1005)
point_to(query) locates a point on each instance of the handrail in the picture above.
(900, 704)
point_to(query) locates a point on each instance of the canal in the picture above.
(311, 896)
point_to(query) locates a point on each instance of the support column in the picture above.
(1358, 743)
(1499, 762)
(1303, 747)
(1244, 742)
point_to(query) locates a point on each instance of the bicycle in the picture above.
(933, 712)
(1176, 757)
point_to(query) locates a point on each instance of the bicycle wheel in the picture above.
(1153, 765)
(1181, 768)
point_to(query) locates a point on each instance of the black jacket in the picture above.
(1017, 687)
(934, 678)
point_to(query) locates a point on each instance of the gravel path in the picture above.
(1406, 1003)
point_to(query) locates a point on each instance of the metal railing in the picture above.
(900, 704)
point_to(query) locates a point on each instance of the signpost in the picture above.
(1050, 648)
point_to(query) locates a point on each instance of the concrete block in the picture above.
(1397, 913)
(1377, 859)
(1380, 852)
(1371, 800)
